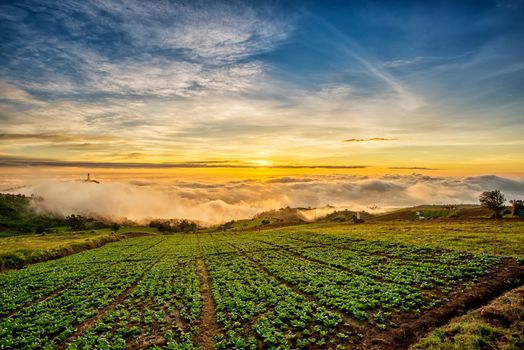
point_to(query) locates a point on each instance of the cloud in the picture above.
(403, 62)
(12, 93)
(10, 161)
(370, 139)
(54, 137)
(164, 77)
(215, 202)
(411, 168)
(334, 91)
(159, 48)
(426, 60)
(211, 30)
(404, 95)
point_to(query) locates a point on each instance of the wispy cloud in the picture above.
(159, 49)
(55, 137)
(13, 94)
(10, 161)
(411, 168)
(370, 139)
(406, 98)
(218, 32)
(169, 77)
(425, 60)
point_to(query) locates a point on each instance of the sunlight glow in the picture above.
(263, 162)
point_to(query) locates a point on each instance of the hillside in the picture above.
(17, 215)
(286, 215)
(433, 212)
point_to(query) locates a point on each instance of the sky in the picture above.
(323, 86)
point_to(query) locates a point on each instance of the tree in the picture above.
(186, 226)
(76, 222)
(115, 226)
(173, 225)
(493, 200)
(517, 205)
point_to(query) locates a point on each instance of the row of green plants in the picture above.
(354, 294)
(255, 311)
(370, 281)
(399, 263)
(50, 321)
(161, 312)
(23, 286)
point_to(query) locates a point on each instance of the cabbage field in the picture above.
(280, 289)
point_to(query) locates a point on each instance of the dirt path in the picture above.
(93, 320)
(207, 325)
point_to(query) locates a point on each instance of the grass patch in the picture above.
(17, 251)
(498, 325)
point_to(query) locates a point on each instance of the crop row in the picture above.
(31, 283)
(390, 249)
(352, 293)
(47, 323)
(368, 285)
(393, 261)
(161, 311)
(255, 311)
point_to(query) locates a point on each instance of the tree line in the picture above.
(174, 225)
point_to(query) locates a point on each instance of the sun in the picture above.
(262, 162)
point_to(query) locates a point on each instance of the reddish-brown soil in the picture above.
(207, 326)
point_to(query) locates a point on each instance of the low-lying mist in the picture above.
(211, 203)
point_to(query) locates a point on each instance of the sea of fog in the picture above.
(215, 202)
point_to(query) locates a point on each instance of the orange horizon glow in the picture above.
(229, 174)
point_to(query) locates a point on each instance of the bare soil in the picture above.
(207, 325)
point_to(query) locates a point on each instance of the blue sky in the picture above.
(418, 84)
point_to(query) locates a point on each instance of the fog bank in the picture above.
(213, 203)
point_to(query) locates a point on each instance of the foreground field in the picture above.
(290, 288)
